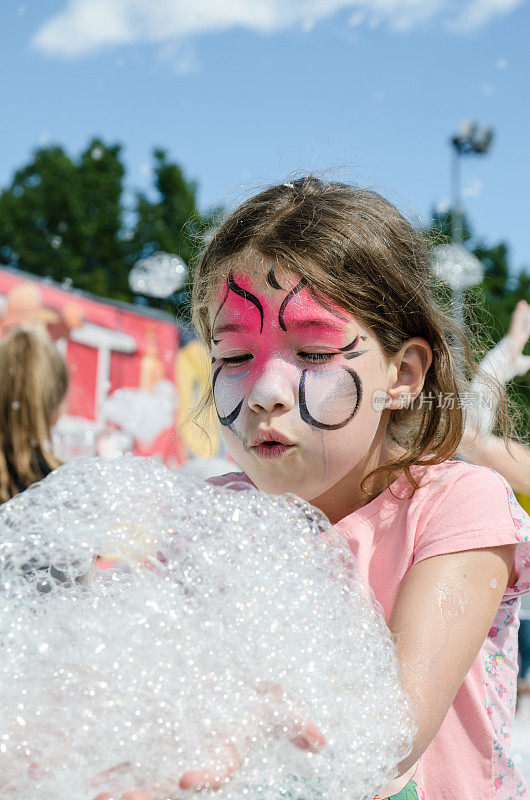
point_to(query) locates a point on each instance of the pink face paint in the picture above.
(288, 329)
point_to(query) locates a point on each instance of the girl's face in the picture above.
(295, 382)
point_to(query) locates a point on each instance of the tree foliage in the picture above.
(64, 218)
(170, 222)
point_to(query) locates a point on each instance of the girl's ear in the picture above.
(408, 371)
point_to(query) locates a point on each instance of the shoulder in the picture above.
(450, 479)
(462, 506)
(457, 489)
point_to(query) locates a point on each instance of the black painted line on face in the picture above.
(287, 299)
(349, 346)
(306, 416)
(352, 346)
(271, 280)
(223, 301)
(229, 418)
(246, 296)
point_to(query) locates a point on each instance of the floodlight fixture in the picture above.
(472, 138)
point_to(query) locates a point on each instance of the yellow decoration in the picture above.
(524, 501)
(200, 434)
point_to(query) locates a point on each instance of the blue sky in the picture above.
(245, 92)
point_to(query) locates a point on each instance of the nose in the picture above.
(273, 389)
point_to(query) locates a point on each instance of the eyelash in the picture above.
(317, 356)
(314, 357)
(236, 359)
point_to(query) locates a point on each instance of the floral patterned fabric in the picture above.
(499, 659)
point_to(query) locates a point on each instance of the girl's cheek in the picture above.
(331, 397)
(231, 386)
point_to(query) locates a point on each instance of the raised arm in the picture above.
(442, 615)
(504, 362)
(511, 460)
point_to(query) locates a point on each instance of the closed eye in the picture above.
(317, 356)
(313, 357)
(242, 359)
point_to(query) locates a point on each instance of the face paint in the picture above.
(335, 394)
(231, 285)
(293, 374)
(339, 387)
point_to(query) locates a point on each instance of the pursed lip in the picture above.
(269, 435)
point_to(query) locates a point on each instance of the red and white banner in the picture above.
(132, 381)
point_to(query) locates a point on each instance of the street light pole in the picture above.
(456, 221)
(470, 139)
(457, 232)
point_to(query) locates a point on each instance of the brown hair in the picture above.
(33, 383)
(355, 247)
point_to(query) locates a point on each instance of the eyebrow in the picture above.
(230, 327)
(325, 325)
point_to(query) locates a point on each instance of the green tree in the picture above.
(101, 175)
(170, 222)
(63, 218)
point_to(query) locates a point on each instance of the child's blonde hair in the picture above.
(355, 247)
(33, 383)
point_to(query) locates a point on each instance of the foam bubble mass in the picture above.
(236, 618)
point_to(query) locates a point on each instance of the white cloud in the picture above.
(478, 12)
(86, 26)
(180, 57)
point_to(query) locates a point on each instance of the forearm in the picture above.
(458, 594)
(415, 673)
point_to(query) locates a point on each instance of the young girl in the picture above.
(33, 383)
(333, 378)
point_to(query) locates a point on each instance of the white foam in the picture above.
(238, 616)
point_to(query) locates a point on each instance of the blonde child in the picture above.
(33, 384)
(333, 378)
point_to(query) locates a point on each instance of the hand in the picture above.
(518, 335)
(307, 736)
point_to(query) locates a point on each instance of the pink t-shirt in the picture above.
(459, 507)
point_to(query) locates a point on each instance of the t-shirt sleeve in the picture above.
(476, 509)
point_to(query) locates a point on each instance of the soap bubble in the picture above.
(239, 617)
(158, 275)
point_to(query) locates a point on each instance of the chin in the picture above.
(278, 484)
